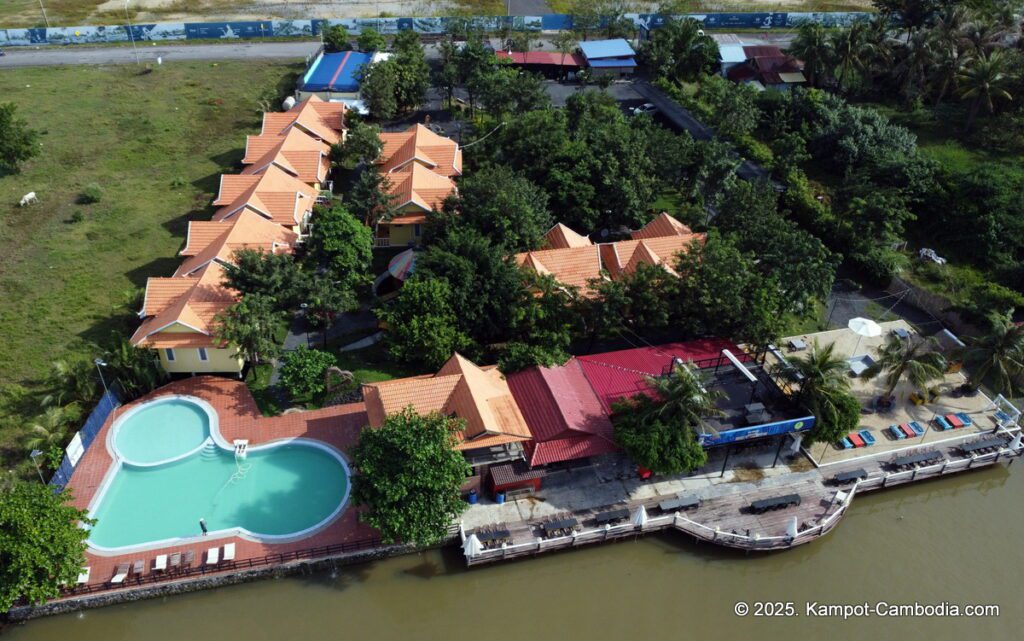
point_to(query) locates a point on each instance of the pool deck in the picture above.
(338, 426)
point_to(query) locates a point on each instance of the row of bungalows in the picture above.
(573, 260)
(420, 167)
(520, 426)
(267, 207)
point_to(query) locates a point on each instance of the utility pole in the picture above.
(131, 32)
(46, 20)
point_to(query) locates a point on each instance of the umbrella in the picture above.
(640, 517)
(863, 327)
(472, 546)
(403, 264)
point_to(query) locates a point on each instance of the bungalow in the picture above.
(295, 152)
(215, 242)
(274, 194)
(179, 321)
(574, 261)
(767, 67)
(609, 57)
(495, 429)
(419, 166)
(324, 121)
(550, 64)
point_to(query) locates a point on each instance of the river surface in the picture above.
(953, 540)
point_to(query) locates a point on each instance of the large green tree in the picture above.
(378, 86)
(275, 277)
(342, 244)
(422, 326)
(409, 477)
(413, 74)
(18, 143)
(42, 546)
(824, 392)
(916, 359)
(302, 371)
(248, 326)
(680, 51)
(813, 45)
(362, 144)
(504, 206)
(997, 357)
(544, 327)
(336, 38)
(371, 40)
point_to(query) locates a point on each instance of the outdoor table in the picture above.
(487, 537)
(797, 344)
(852, 475)
(764, 505)
(612, 515)
(754, 408)
(559, 524)
(679, 503)
(901, 333)
(913, 459)
(982, 445)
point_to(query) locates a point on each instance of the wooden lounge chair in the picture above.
(83, 576)
(954, 420)
(120, 574)
(190, 557)
(160, 563)
(138, 567)
(964, 418)
(175, 562)
(229, 552)
(213, 556)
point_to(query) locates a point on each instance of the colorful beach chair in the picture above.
(896, 432)
(964, 418)
(919, 429)
(909, 433)
(868, 437)
(856, 440)
(942, 423)
(954, 420)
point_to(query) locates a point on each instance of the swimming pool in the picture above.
(173, 468)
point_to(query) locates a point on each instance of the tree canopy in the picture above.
(409, 477)
(302, 371)
(18, 143)
(249, 326)
(422, 324)
(342, 244)
(42, 546)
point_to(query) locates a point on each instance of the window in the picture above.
(169, 353)
(203, 356)
(416, 230)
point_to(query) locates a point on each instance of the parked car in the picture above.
(646, 108)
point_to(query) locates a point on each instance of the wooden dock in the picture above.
(726, 520)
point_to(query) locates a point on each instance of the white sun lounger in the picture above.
(213, 556)
(83, 576)
(160, 563)
(121, 574)
(229, 552)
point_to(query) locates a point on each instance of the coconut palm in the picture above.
(916, 57)
(821, 372)
(997, 357)
(851, 49)
(137, 370)
(949, 64)
(984, 81)
(49, 430)
(917, 360)
(813, 45)
(685, 398)
(981, 37)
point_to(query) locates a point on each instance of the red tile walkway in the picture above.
(239, 418)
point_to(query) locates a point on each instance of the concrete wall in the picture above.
(186, 361)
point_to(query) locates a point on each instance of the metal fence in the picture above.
(230, 30)
(107, 404)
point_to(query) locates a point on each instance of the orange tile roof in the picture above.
(573, 266)
(480, 396)
(577, 265)
(322, 120)
(662, 225)
(415, 184)
(442, 155)
(296, 152)
(209, 240)
(193, 302)
(561, 237)
(275, 194)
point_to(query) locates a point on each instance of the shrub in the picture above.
(92, 193)
(302, 373)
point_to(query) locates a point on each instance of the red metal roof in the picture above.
(542, 58)
(617, 375)
(753, 51)
(567, 449)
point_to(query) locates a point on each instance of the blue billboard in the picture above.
(758, 431)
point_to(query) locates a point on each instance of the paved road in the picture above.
(72, 55)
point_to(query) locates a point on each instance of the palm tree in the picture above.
(877, 56)
(916, 57)
(685, 398)
(981, 37)
(917, 360)
(71, 381)
(850, 48)
(821, 371)
(984, 81)
(949, 63)
(49, 430)
(137, 370)
(814, 46)
(997, 357)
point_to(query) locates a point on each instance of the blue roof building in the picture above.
(334, 75)
(609, 56)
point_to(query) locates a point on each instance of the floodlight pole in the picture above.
(131, 32)
(46, 20)
(35, 454)
(99, 365)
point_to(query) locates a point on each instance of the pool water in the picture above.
(162, 430)
(277, 490)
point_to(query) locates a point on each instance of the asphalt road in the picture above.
(148, 52)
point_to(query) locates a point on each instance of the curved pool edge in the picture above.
(216, 437)
(212, 420)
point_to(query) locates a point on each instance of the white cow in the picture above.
(28, 199)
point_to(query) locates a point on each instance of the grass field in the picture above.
(156, 142)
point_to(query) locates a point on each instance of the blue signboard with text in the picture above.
(758, 431)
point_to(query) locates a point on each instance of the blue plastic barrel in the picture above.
(472, 497)
(499, 498)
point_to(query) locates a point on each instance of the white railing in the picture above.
(381, 242)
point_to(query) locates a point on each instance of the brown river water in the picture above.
(954, 540)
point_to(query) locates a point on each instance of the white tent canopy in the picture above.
(640, 516)
(472, 546)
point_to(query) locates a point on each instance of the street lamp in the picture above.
(35, 459)
(131, 32)
(100, 363)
